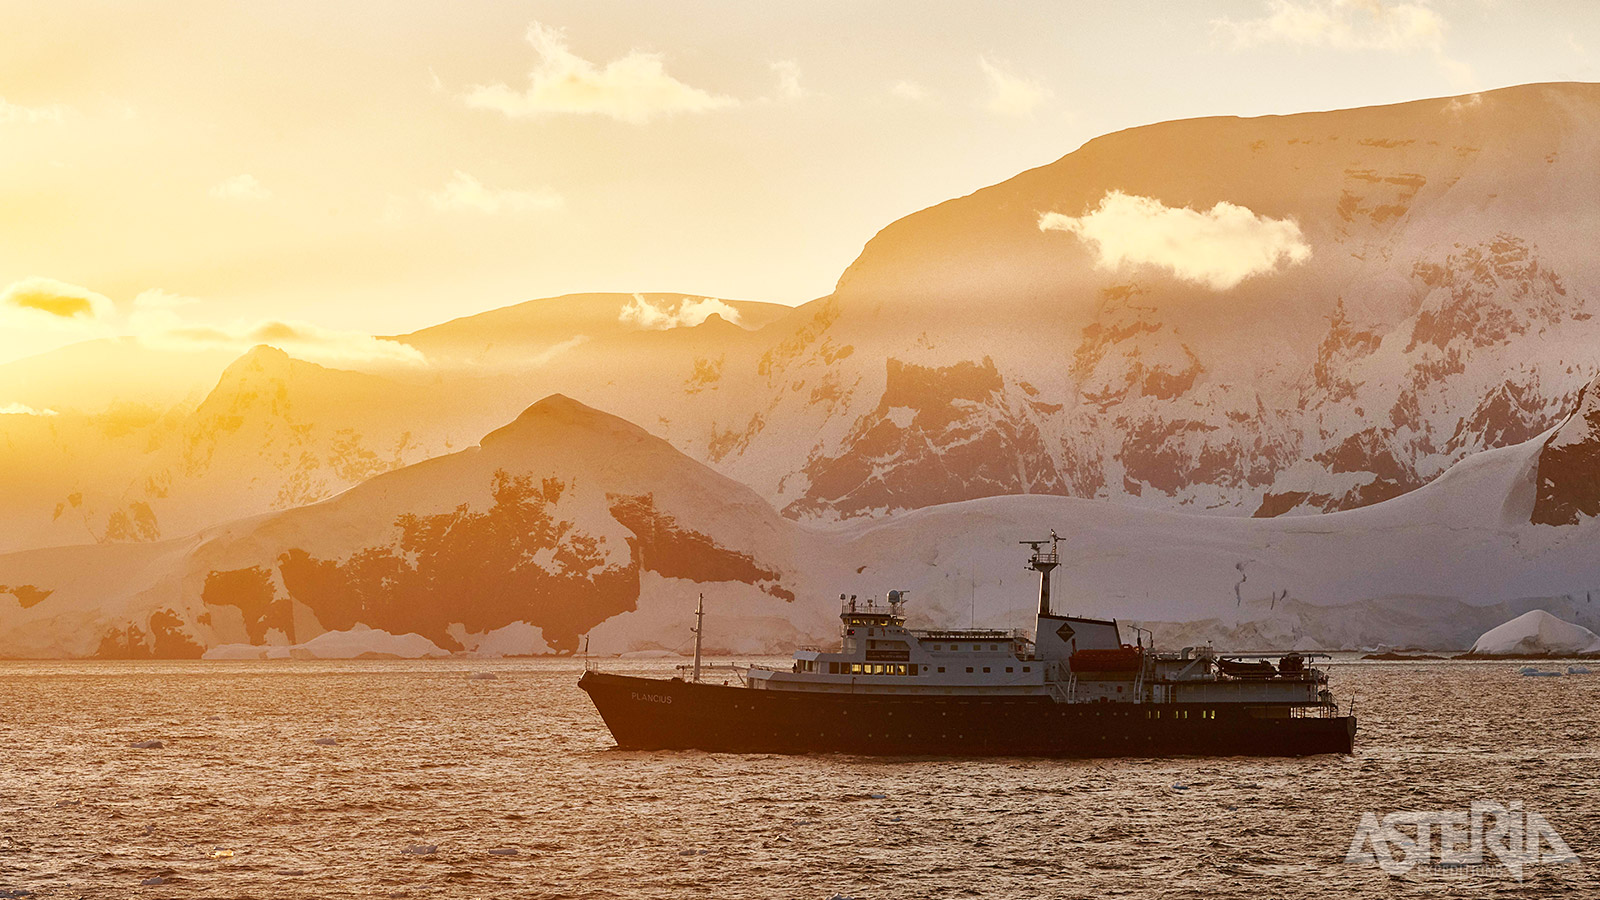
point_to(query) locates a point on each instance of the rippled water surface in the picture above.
(425, 757)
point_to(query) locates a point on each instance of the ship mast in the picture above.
(1043, 561)
(699, 626)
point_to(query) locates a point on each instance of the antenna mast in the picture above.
(699, 626)
(1043, 561)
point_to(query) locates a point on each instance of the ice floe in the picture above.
(146, 745)
(422, 849)
(326, 742)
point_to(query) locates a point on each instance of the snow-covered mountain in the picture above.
(273, 433)
(547, 526)
(1282, 314)
(1287, 314)
(571, 522)
(528, 334)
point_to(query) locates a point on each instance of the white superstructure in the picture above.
(1072, 659)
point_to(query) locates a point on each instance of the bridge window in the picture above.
(855, 668)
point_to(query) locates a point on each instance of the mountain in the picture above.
(92, 376)
(274, 432)
(571, 524)
(549, 526)
(1339, 306)
(134, 443)
(527, 334)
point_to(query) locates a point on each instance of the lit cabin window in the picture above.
(855, 668)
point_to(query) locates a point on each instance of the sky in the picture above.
(206, 174)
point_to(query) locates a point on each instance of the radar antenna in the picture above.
(1044, 561)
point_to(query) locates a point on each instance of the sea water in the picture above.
(306, 779)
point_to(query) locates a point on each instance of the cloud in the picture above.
(634, 88)
(240, 187)
(789, 87)
(688, 311)
(1352, 25)
(909, 90)
(464, 193)
(555, 350)
(17, 114)
(44, 300)
(1218, 248)
(1342, 25)
(17, 409)
(1012, 95)
(299, 339)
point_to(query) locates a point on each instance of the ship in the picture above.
(1073, 687)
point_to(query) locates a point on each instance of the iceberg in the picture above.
(358, 642)
(1537, 633)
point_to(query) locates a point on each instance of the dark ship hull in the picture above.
(662, 714)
